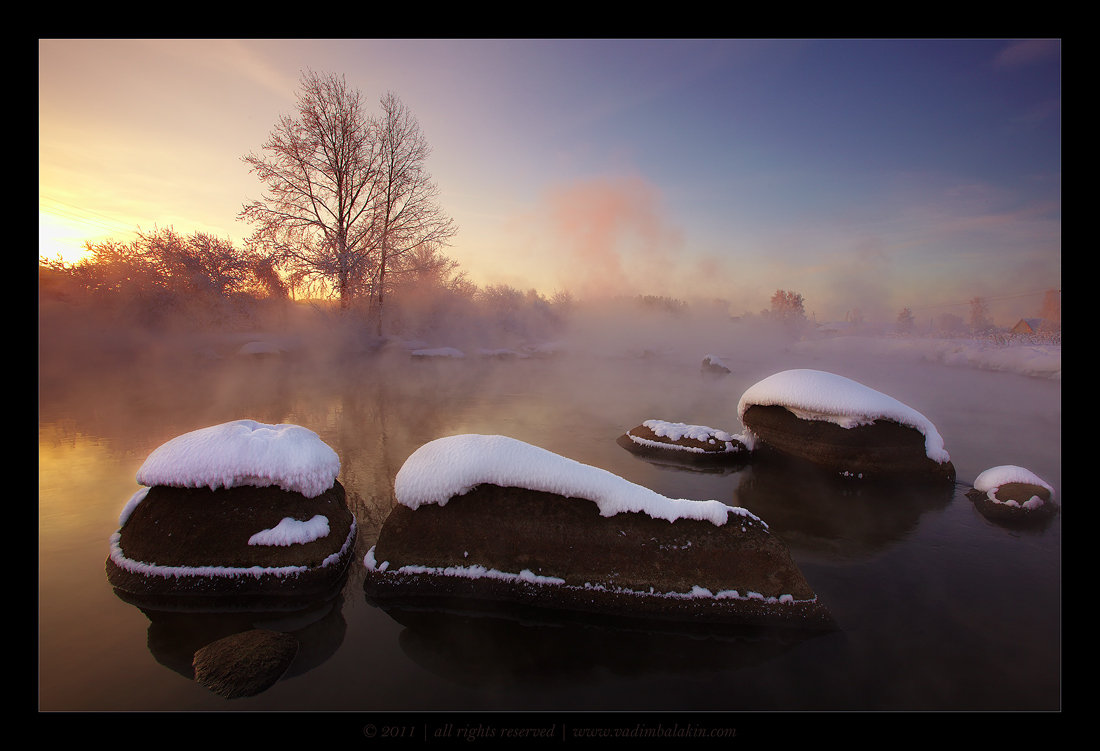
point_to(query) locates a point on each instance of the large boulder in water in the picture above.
(492, 519)
(241, 508)
(844, 427)
(1012, 494)
(682, 443)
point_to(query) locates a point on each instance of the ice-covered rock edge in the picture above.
(480, 572)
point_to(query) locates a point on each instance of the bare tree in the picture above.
(407, 214)
(317, 214)
(347, 195)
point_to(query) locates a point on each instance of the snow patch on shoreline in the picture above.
(1036, 360)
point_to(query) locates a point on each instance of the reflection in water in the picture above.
(541, 647)
(835, 517)
(941, 609)
(178, 629)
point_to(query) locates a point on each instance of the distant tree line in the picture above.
(199, 281)
(164, 276)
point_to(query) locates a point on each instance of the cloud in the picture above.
(608, 237)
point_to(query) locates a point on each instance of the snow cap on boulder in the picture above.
(995, 477)
(817, 395)
(447, 467)
(244, 452)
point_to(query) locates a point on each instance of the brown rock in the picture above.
(194, 541)
(560, 553)
(245, 664)
(712, 364)
(1012, 496)
(640, 440)
(882, 449)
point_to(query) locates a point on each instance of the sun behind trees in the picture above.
(348, 203)
(163, 276)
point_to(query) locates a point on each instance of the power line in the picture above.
(113, 226)
(1012, 296)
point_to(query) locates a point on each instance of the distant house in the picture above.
(1028, 326)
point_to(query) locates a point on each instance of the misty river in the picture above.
(938, 608)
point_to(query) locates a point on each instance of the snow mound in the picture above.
(993, 478)
(453, 466)
(244, 452)
(290, 531)
(674, 431)
(817, 395)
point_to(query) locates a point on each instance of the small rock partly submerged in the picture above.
(1012, 493)
(684, 443)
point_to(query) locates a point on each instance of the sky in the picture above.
(865, 175)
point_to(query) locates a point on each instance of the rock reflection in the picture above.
(181, 627)
(482, 649)
(837, 518)
(669, 461)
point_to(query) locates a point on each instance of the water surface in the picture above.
(939, 608)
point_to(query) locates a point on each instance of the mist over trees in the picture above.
(163, 276)
(980, 322)
(348, 204)
(905, 322)
(1051, 310)
(788, 309)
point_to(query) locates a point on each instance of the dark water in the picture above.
(939, 608)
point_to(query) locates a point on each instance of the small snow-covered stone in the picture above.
(714, 364)
(686, 443)
(1012, 493)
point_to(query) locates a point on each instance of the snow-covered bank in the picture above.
(1041, 361)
